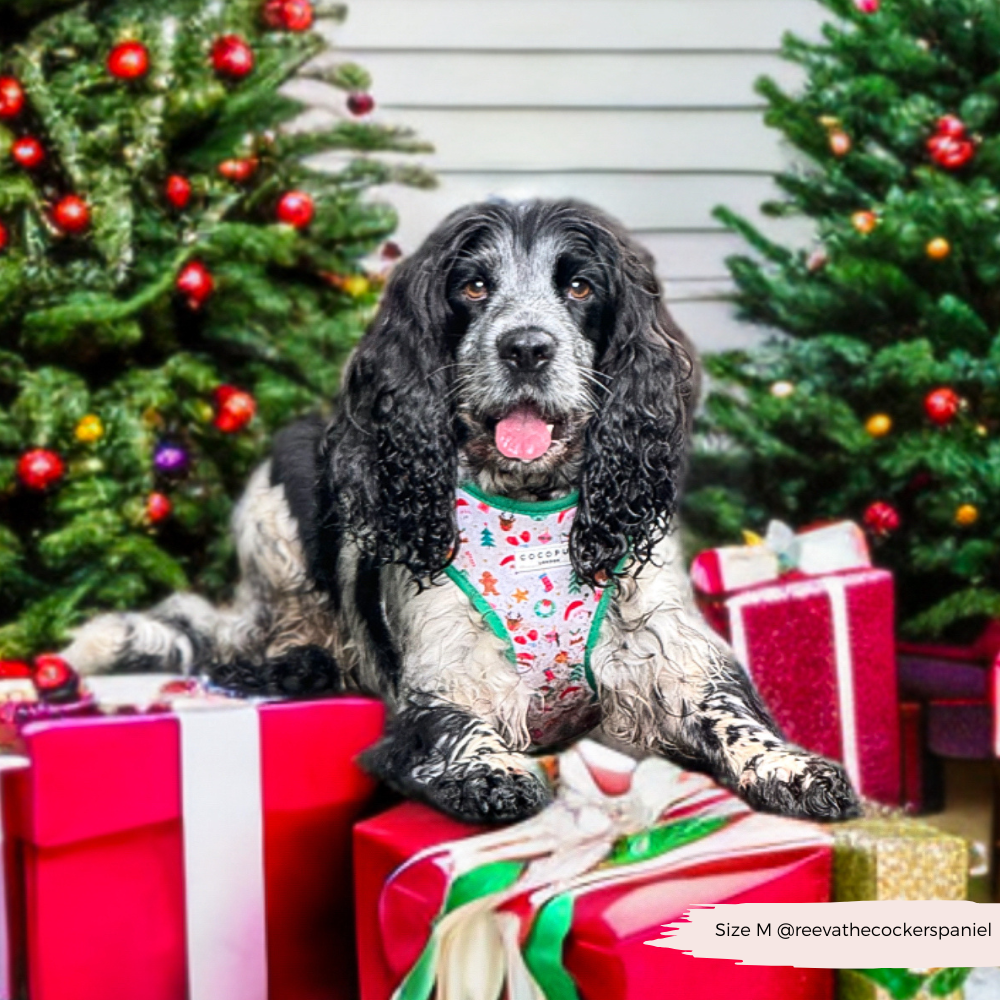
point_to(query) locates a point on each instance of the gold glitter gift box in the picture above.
(894, 858)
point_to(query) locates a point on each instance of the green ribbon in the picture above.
(482, 881)
(544, 947)
(543, 950)
(662, 839)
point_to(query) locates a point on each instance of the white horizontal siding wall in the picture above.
(643, 107)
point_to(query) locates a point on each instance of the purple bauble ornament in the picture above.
(170, 459)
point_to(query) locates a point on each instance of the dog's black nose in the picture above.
(526, 351)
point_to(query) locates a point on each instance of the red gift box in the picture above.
(605, 952)
(202, 855)
(821, 652)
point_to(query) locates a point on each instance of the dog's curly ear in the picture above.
(389, 461)
(636, 444)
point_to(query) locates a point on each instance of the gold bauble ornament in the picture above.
(356, 285)
(840, 142)
(967, 515)
(879, 425)
(204, 412)
(89, 429)
(864, 222)
(782, 390)
(151, 418)
(938, 248)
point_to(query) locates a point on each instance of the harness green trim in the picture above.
(523, 506)
(529, 507)
(595, 632)
(462, 581)
(459, 578)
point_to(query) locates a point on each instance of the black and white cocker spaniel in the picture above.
(482, 534)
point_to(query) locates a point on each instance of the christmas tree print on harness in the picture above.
(527, 593)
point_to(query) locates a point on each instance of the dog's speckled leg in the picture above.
(726, 731)
(457, 763)
(731, 728)
(669, 685)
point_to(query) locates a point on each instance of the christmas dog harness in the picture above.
(513, 564)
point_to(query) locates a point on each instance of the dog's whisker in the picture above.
(456, 364)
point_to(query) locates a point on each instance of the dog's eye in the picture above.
(579, 289)
(476, 290)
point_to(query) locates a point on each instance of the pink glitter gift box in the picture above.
(821, 651)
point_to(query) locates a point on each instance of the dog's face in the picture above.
(530, 296)
(528, 346)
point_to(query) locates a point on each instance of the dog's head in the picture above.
(526, 345)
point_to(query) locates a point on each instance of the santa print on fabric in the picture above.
(514, 566)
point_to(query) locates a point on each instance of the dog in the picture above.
(483, 534)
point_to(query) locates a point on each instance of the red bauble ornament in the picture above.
(71, 214)
(297, 15)
(234, 409)
(158, 507)
(222, 393)
(3, 236)
(271, 13)
(296, 209)
(10, 669)
(291, 15)
(391, 250)
(128, 61)
(40, 468)
(360, 104)
(11, 97)
(177, 190)
(881, 518)
(949, 147)
(195, 281)
(868, 6)
(951, 125)
(231, 56)
(941, 405)
(27, 152)
(238, 171)
(52, 671)
(55, 679)
(952, 154)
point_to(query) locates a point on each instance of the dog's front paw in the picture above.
(795, 783)
(485, 794)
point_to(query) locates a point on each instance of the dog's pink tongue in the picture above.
(523, 435)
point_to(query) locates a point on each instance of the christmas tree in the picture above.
(486, 539)
(176, 281)
(882, 401)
